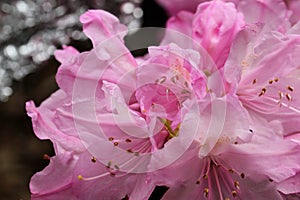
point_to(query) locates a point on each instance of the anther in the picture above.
(198, 182)
(186, 84)
(280, 95)
(128, 140)
(112, 174)
(263, 91)
(108, 164)
(129, 151)
(288, 96)
(79, 177)
(242, 175)
(276, 79)
(110, 138)
(205, 176)
(227, 198)
(231, 171)
(136, 153)
(174, 79)
(93, 159)
(161, 80)
(270, 81)
(116, 144)
(290, 88)
(236, 184)
(251, 131)
(254, 81)
(206, 192)
(116, 167)
(234, 193)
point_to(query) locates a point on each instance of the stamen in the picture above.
(108, 164)
(263, 91)
(174, 79)
(242, 175)
(93, 159)
(236, 184)
(116, 144)
(270, 81)
(234, 193)
(288, 97)
(128, 140)
(206, 192)
(161, 80)
(290, 88)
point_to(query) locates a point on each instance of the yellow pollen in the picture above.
(236, 184)
(206, 192)
(263, 91)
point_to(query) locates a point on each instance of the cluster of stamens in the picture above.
(281, 94)
(222, 178)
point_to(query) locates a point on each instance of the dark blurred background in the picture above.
(26, 76)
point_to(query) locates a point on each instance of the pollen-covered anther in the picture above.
(80, 177)
(236, 184)
(290, 88)
(263, 91)
(234, 193)
(288, 97)
(205, 176)
(205, 192)
(93, 159)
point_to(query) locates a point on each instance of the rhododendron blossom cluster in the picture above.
(212, 113)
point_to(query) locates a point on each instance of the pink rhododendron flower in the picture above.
(138, 110)
(211, 113)
(231, 162)
(213, 27)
